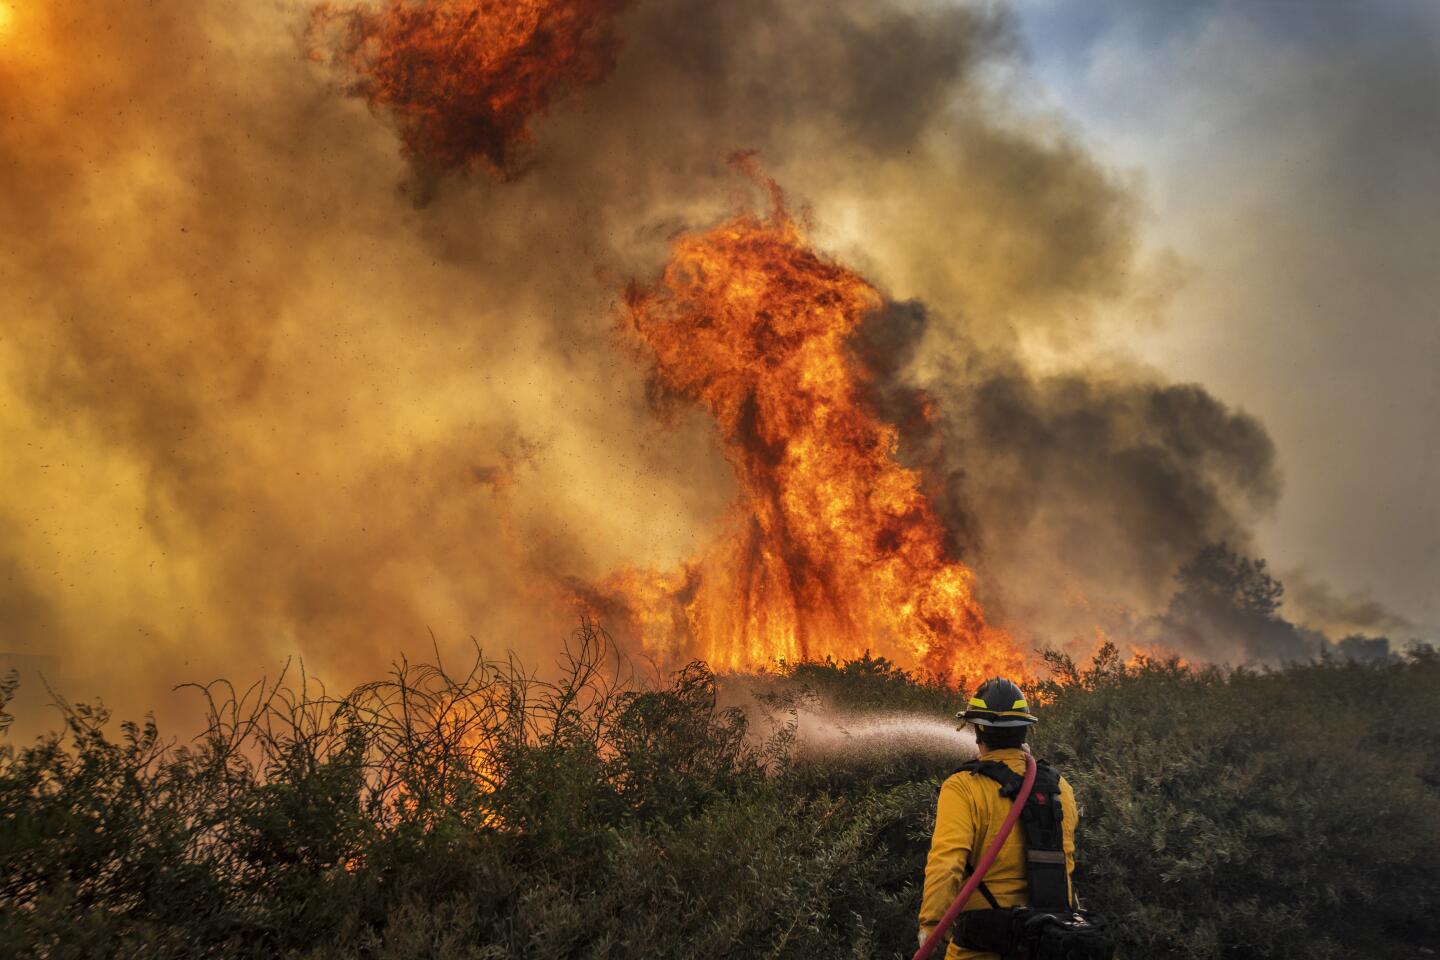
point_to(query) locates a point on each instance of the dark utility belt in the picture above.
(1030, 933)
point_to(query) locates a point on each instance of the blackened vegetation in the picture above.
(485, 813)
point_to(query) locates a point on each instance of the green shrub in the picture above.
(484, 814)
(1291, 813)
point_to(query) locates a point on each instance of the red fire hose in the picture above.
(981, 868)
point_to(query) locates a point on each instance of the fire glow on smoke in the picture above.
(832, 548)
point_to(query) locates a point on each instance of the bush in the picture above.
(1291, 813)
(487, 815)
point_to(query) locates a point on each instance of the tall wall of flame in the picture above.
(833, 551)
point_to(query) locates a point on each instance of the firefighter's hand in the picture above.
(924, 935)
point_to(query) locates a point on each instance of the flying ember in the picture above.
(832, 548)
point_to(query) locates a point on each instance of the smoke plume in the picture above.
(257, 403)
(1077, 495)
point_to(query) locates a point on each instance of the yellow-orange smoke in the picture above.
(463, 77)
(833, 549)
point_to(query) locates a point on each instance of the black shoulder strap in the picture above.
(1010, 781)
(1043, 821)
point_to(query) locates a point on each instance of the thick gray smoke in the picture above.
(1077, 495)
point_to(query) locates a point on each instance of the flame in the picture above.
(833, 548)
(1137, 652)
(463, 77)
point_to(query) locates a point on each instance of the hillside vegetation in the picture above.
(484, 814)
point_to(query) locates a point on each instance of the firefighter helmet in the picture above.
(998, 703)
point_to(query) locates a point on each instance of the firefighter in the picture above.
(969, 814)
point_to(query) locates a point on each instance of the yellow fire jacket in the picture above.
(968, 817)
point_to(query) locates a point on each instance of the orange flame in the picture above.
(834, 549)
(464, 77)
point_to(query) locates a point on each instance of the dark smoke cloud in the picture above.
(260, 404)
(1078, 497)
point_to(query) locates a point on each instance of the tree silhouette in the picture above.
(1227, 598)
